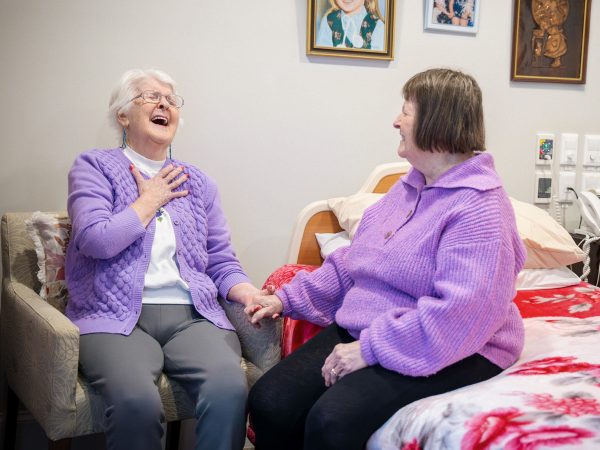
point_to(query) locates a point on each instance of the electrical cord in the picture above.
(569, 188)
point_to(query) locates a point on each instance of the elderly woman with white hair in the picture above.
(149, 255)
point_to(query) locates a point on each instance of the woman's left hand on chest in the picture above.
(344, 359)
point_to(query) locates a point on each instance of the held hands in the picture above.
(157, 191)
(263, 306)
(344, 359)
(244, 293)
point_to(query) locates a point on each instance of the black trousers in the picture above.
(291, 408)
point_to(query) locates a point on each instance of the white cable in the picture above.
(585, 243)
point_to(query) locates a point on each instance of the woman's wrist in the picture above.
(243, 293)
(145, 210)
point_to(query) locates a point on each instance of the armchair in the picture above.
(40, 353)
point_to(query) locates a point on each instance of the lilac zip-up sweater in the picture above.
(109, 250)
(429, 277)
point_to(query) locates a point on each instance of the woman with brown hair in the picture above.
(419, 304)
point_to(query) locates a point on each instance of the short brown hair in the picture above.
(449, 111)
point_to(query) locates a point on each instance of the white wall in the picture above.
(274, 128)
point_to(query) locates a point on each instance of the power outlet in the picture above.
(566, 180)
(590, 180)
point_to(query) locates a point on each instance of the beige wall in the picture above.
(274, 128)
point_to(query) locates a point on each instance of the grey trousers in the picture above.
(175, 339)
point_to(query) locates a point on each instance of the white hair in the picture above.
(128, 87)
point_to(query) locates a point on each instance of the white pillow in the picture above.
(530, 279)
(548, 244)
(349, 210)
(329, 242)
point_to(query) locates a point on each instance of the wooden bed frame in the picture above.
(318, 218)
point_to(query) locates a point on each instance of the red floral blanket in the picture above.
(550, 399)
(581, 300)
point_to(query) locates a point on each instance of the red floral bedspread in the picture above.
(581, 300)
(549, 399)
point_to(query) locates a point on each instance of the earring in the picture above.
(124, 142)
(170, 150)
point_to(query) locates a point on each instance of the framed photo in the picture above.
(550, 40)
(351, 28)
(457, 16)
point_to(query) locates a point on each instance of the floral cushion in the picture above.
(50, 234)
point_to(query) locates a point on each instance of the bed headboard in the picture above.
(318, 218)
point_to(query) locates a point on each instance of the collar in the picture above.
(477, 172)
(145, 165)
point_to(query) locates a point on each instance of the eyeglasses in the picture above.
(174, 100)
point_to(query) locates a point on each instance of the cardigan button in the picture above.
(409, 214)
(176, 222)
(387, 235)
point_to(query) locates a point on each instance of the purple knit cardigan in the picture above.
(430, 276)
(109, 250)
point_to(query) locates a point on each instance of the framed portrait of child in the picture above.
(456, 16)
(351, 28)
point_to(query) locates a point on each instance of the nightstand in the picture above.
(594, 260)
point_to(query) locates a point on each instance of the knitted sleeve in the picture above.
(316, 296)
(476, 266)
(97, 231)
(223, 266)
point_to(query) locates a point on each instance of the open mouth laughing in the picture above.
(160, 119)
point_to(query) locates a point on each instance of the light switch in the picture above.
(591, 150)
(568, 149)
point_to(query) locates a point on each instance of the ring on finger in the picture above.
(334, 373)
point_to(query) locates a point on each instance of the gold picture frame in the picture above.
(550, 41)
(358, 29)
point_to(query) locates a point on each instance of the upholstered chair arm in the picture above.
(261, 347)
(40, 353)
